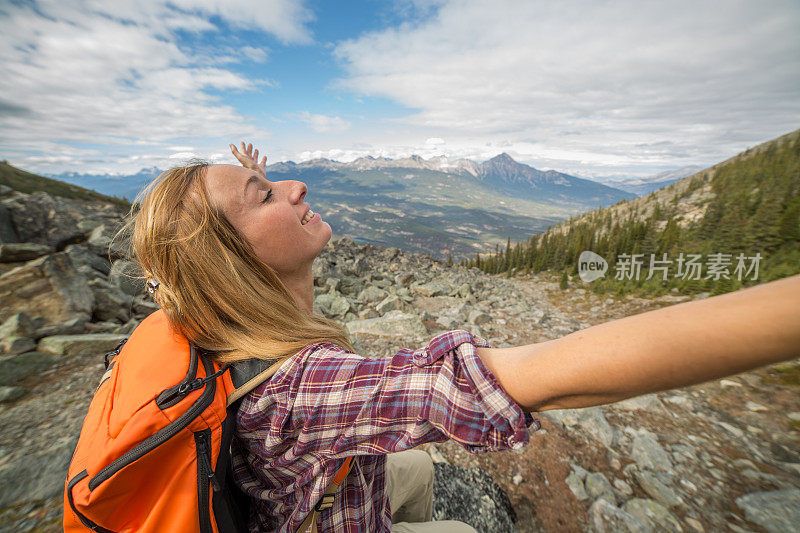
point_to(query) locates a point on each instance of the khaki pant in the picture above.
(409, 482)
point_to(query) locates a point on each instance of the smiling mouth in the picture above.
(308, 216)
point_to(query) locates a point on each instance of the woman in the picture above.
(233, 253)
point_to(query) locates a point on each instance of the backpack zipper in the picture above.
(171, 396)
(205, 474)
(197, 383)
(203, 442)
(163, 435)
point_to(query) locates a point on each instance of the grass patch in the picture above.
(786, 374)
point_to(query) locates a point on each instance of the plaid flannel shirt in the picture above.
(326, 403)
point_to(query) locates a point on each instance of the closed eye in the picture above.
(267, 197)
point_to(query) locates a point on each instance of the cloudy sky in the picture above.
(616, 88)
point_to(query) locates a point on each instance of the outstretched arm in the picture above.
(667, 348)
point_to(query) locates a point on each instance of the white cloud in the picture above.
(113, 72)
(323, 123)
(600, 84)
(183, 155)
(259, 55)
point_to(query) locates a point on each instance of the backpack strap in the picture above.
(309, 525)
(248, 374)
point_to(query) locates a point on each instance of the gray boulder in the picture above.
(103, 243)
(48, 287)
(776, 511)
(598, 486)
(448, 322)
(16, 367)
(606, 518)
(648, 402)
(141, 306)
(360, 266)
(88, 224)
(321, 270)
(86, 261)
(656, 489)
(333, 284)
(464, 290)
(471, 496)
(392, 324)
(71, 326)
(35, 477)
(22, 251)
(434, 288)
(43, 219)
(16, 345)
(404, 280)
(110, 302)
(127, 276)
(332, 305)
(652, 513)
(478, 317)
(390, 303)
(648, 453)
(576, 486)
(7, 231)
(590, 420)
(10, 394)
(18, 325)
(372, 294)
(87, 344)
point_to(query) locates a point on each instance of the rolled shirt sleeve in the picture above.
(335, 403)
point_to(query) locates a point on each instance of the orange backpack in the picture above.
(154, 449)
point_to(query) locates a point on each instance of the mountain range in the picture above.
(501, 172)
(648, 184)
(439, 206)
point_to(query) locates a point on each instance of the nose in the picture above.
(298, 191)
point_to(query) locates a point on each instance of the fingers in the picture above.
(237, 154)
(247, 157)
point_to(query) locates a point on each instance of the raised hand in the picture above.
(249, 159)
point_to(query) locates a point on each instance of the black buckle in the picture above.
(326, 502)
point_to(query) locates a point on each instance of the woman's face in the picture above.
(273, 228)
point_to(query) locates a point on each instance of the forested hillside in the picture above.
(741, 214)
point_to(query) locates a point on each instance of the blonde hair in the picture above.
(212, 287)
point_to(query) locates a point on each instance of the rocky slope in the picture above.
(715, 457)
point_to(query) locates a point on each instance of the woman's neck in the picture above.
(301, 287)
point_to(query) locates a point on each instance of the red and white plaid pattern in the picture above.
(326, 403)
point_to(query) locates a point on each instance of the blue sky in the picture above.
(618, 88)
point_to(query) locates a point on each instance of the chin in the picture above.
(325, 241)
